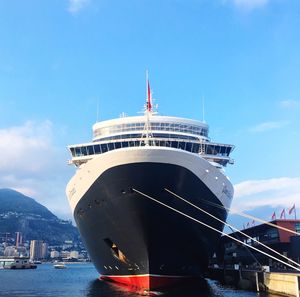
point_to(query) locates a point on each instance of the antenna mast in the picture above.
(148, 109)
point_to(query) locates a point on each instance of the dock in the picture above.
(261, 258)
(284, 283)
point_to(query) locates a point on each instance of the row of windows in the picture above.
(188, 146)
(270, 235)
(192, 129)
(154, 135)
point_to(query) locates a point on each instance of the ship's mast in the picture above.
(148, 109)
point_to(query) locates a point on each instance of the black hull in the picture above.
(127, 234)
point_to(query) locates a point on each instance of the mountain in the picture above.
(21, 213)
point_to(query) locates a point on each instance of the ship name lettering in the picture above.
(227, 192)
(72, 192)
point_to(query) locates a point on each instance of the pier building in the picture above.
(286, 243)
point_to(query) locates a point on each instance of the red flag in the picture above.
(282, 215)
(149, 105)
(274, 216)
(292, 209)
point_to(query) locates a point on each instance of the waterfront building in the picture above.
(65, 254)
(45, 250)
(35, 249)
(38, 250)
(54, 254)
(230, 252)
(18, 239)
(10, 251)
(74, 254)
(22, 251)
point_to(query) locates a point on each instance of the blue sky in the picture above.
(59, 58)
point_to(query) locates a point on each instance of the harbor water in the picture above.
(80, 280)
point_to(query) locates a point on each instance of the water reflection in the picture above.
(99, 288)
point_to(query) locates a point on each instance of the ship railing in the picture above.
(203, 148)
(153, 133)
(211, 151)
(172, 127)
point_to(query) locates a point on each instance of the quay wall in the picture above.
(283, 283)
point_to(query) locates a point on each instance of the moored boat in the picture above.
(16, 263)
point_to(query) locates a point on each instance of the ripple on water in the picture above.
(80, 280)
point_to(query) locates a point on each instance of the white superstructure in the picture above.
(153, 130)
(151, 138)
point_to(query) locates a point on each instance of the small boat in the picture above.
(59, 266)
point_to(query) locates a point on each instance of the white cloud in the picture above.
(25, 147)
(266, 126)
(31, 164)
(76, 5)
(289, 104)
(273, 192)
(248, 4)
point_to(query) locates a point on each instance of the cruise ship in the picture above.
(124, 198)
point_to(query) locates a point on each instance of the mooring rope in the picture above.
(240, 213)
(212, 228)
(250, 253)
(230, 226)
